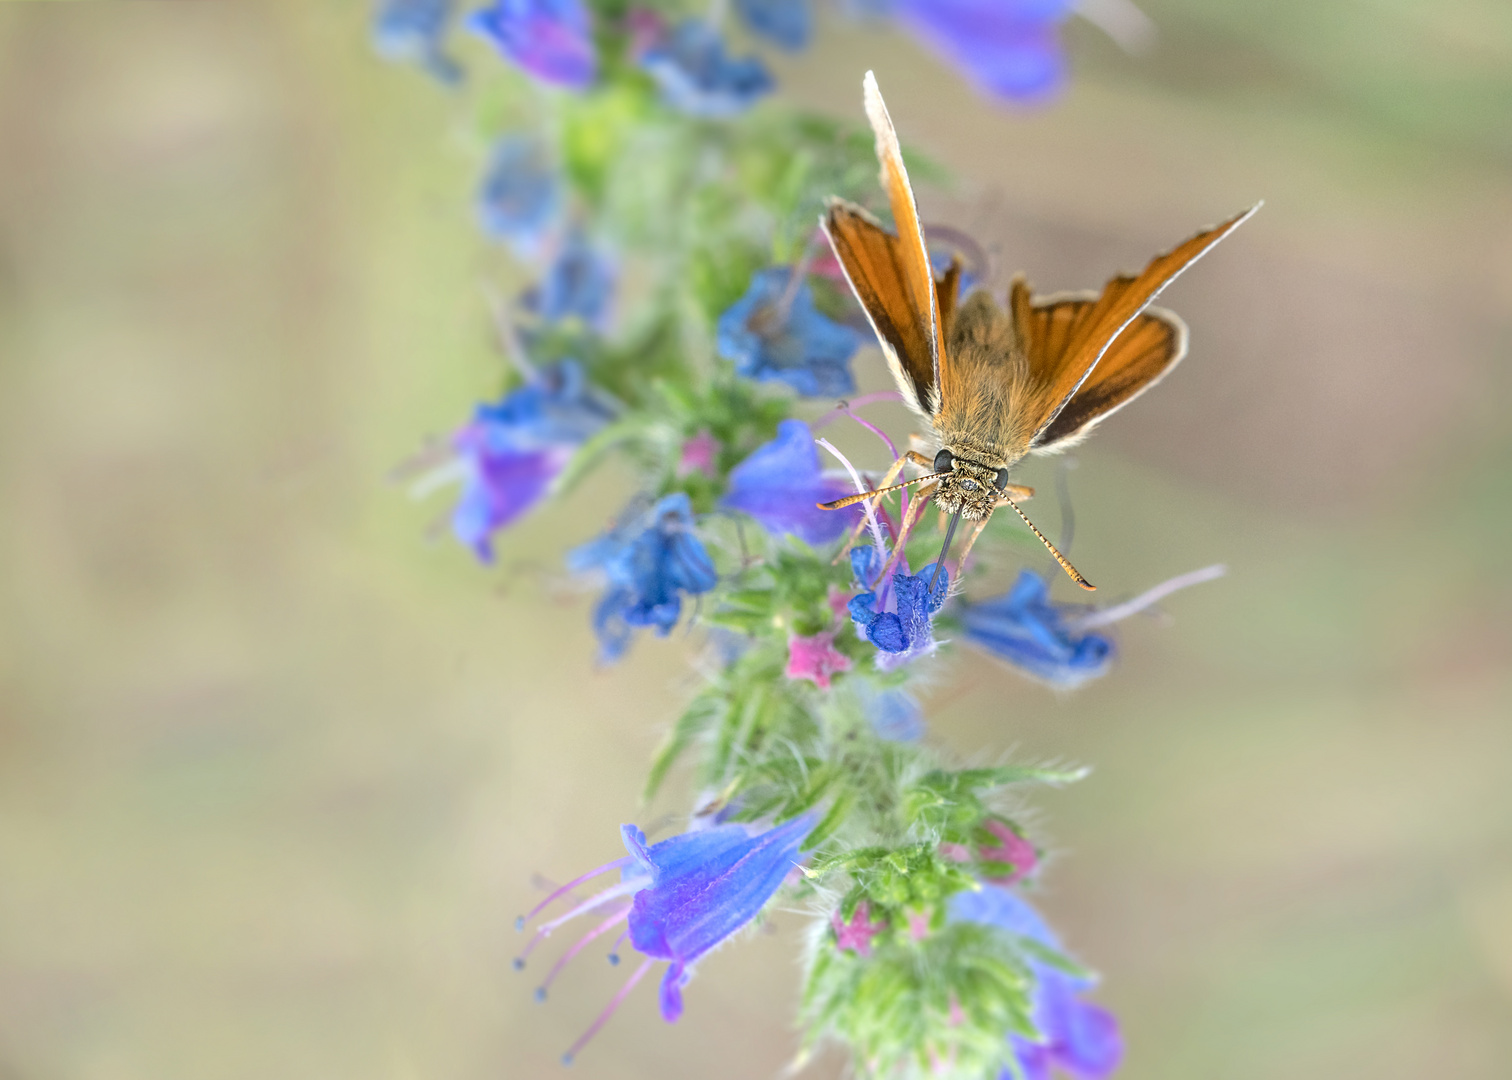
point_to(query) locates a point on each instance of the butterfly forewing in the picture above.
(875, 263)
(1064, 351)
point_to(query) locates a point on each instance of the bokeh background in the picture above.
(276, 770)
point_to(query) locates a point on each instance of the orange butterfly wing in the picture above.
(890, 274)
(1139, 357)
(1080, 364)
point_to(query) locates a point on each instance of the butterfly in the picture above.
(998, 384)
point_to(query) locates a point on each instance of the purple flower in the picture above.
(412, 31)
(1026, 629)
(681, 897)
(855, 936)
(520, 195)
(650, 561)
(774, 332)
(1075, 1036)
(1009, 48)
(579, 282)
(1052, 642)
(785, 22)
(697, 78)
(780, 485)
(901, 623)
(551, 39)
(512, 451)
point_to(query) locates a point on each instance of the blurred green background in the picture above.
(276, 772)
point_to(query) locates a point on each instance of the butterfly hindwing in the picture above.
(1067, 340)
(1139, 357)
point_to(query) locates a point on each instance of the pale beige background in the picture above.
(275, 773)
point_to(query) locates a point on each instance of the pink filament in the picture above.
(602, 928)
(596, 901)
(574, 883)
(871, 517)
(603, 1018)
(843, 409)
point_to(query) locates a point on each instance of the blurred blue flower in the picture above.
(579, 282)
(705, 885)
(788, 23)
(650, 560)
(551, 39)
(773, 333)
(520, 195)
(1075, 1036)
(697, 78)
(779, 485)
(901, 624)
(412, 31)
(1026, 629)
(894, 714)
(1009, 48)
(512, 451)
(682, 897)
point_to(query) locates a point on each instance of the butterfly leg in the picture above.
(911, 456)
(915, 511)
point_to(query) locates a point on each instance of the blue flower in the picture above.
(1009, 48)
(772, 333)
(551, 39)
(520, 194)
(907, 630)
(579, 282)
(650, 561)
(704, 886)
(512, 451)
(786, 22)
(681, 897)
(1074, 1036)
(894, 715)
(1026, 629)
(780, 484)
(697, 78)
(412, 31)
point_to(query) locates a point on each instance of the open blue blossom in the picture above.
(1009, 48)
(696, 77)
(780, 484)
(1053, 642)
(650, 561)
(1075, 1036)
(705, 886)
(1026, 629)
(412, 31)
(776, 333)
(513, 450)
(681, 897)
(786, 22)
(520, 195)
(578, 282)
(551, 39)
(901, 624)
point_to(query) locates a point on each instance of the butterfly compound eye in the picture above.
(944, 461)
(1002, 479)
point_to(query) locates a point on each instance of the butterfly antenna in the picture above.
(852, 500)
(955, 519)
(1065, 563)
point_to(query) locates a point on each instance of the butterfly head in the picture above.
(968, 486)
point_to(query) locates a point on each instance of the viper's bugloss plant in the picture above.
(684, 319)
